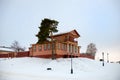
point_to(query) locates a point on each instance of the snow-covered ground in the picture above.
(36, 69)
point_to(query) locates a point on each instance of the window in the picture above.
(45, 46)
(34, 48)
(75, 49)
(40, 47)
(62, 46)
(58, 45)
(48, 46)
(66, 38)
(65, 47)
(72, 49)
(69, 48)
(53, 45)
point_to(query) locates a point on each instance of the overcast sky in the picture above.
(97, 21)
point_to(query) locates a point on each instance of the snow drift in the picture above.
(36, 69)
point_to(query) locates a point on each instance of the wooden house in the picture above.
(63, 45)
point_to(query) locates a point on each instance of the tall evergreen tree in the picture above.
(46, 28)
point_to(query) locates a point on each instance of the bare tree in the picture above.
(91, 49)
(16, 47)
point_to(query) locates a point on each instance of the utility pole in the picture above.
(107, 57)
(71, 65)
(103, 58)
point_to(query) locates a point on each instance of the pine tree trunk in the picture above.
(53, 56)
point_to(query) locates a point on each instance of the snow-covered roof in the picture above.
(6, 50)
(62, 33)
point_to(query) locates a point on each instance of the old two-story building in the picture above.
(63, 45)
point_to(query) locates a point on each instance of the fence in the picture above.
(13, 54)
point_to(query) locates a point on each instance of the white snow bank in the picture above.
(36, 69)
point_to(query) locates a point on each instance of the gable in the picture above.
(74, 33)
